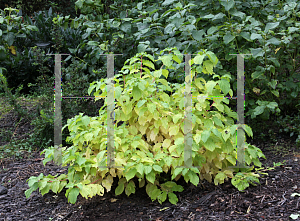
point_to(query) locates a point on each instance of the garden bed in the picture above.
(271, 200)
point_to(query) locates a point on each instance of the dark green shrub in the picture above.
(290, 125)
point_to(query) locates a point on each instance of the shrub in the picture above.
(152, 143)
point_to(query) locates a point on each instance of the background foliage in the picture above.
(267, 29)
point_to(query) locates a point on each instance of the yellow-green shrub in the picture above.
(151, 142)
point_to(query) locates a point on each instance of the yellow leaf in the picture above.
(113, 172)
(173, 130)
(153, 134)
(12, 50)
(256, 90)
(276, 50)
(164, 208)
(160, 139)
(166, 143)
(107, 183)
(142, 120)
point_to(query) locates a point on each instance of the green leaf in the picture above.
(205, 135)
(271, 26)
(85, 191)
(152, 12)
(248, 131)
(140, 103)
(218, 16)
(171, 41)
(140, 168)
(167, 2)
(245, 35)
(208, 67)
(228, 4)
(172, 198)
(177, 188)
(257, 75)
(72, 195)
(228, 38)
(240, 182)
(259, 110)
(93, 43)
(212, 30)
(167, 60)
(55, 186)
(231, 159)
(80, 160)
(194, 178)
(219, 178)
(151, 107)
(85, 120)
(169, 29)
(142, 48)
(272, 105)
(147, 169)
(273, 41)
(177, 117)
(2, 53)
(162, 197)
(79, 3)
(210, 144)
(273, 83)
(257, 52)
(189, 28)
(197, 138)
(238, 14)
(136, 92)
(217, 122)
(140, 5)
(157, 168)
(157, 73)
(177, 58)
(154, 193)
(294, 216)
(32, 181)
(292, 29)
(126, 27)
(130, 174)
(151, 177)
(176, 172)
(177, 22)
(199, 59)
(224, 85)
(34, 187)
(168, 185)
(197, 35)
(148, 64)
(225, 134)
(164, 73)
(276, 93)
(255, 36)
(212, 57)
(130, 188)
